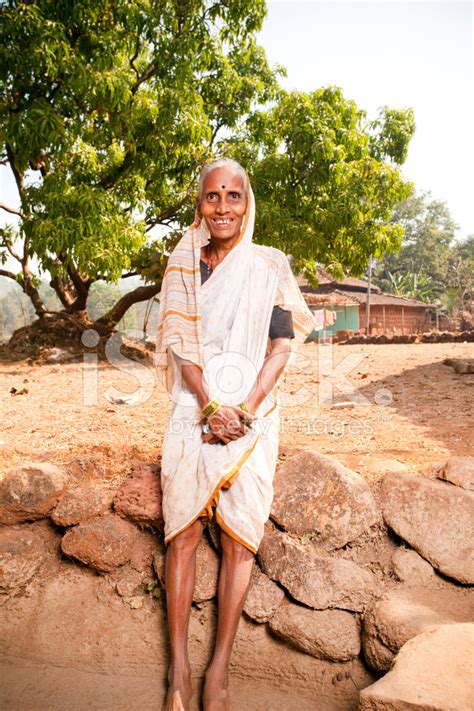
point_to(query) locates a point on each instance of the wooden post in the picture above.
(367, 304)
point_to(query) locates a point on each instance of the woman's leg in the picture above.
(180, 571)
(234, 582)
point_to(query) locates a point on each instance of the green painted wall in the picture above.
(347, 319)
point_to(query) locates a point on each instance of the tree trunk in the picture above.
(142, 293)
(30, 290)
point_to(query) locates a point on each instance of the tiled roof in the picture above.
(347, 297)
(330, 298)
(326, 280)
(387, 300)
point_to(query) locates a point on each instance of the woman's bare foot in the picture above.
(215, 693)
(180, 690)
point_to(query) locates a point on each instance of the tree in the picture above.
(410, 285)
(429, 231)
(326, 178)
(429, 257)
(106, 112)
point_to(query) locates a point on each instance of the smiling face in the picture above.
(223, 204)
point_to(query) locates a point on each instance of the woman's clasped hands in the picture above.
(227, 423)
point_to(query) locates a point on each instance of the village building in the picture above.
(388, 314)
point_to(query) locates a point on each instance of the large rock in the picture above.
(315, 580)
(431, 671)
(207, 570)
(411, 568)
(105, 542)
(30, 491)
(326, 634)
(81, 504)
(316, 494)
(403, 613)
(139, 497)
(459, 471)
(263, 598)
(22, 554)
(435, 518)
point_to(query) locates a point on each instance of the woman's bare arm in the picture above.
(270, 371)
(226, 423)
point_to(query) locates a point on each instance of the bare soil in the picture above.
(424, 415)
(73, 643)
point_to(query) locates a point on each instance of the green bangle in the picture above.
(211, 407)
(244, 407)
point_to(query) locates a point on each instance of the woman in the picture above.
(230, 316)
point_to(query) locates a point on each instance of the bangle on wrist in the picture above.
(243, 406)
(211, 407)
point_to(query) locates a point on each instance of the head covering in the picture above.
(183, 299)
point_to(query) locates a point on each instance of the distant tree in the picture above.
(411, 285)
(429, 231)
(430, 256)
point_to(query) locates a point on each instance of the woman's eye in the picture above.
(235, 196)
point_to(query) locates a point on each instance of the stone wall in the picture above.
(350, 576)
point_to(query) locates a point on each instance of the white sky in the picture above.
(400, 53)
(403, 54)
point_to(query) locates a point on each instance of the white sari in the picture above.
(222, 326)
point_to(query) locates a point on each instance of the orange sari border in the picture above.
(225, 482)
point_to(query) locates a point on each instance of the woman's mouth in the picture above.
(223, 222)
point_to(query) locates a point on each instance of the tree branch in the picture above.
(9, 275)
(147, 74)
(19, 178)
(135, 55)
(141, 293)
(12, 211)
(13, 253)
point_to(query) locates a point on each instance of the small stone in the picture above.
(30, 491)
(58, 355)
(135, 602)
(410, 567)
(129, 582)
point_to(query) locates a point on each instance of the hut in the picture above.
(389, 314)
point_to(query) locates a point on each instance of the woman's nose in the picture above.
(222, 207)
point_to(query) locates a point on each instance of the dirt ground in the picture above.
(74, 644)
(413, 410)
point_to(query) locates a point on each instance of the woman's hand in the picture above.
(227, 424)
